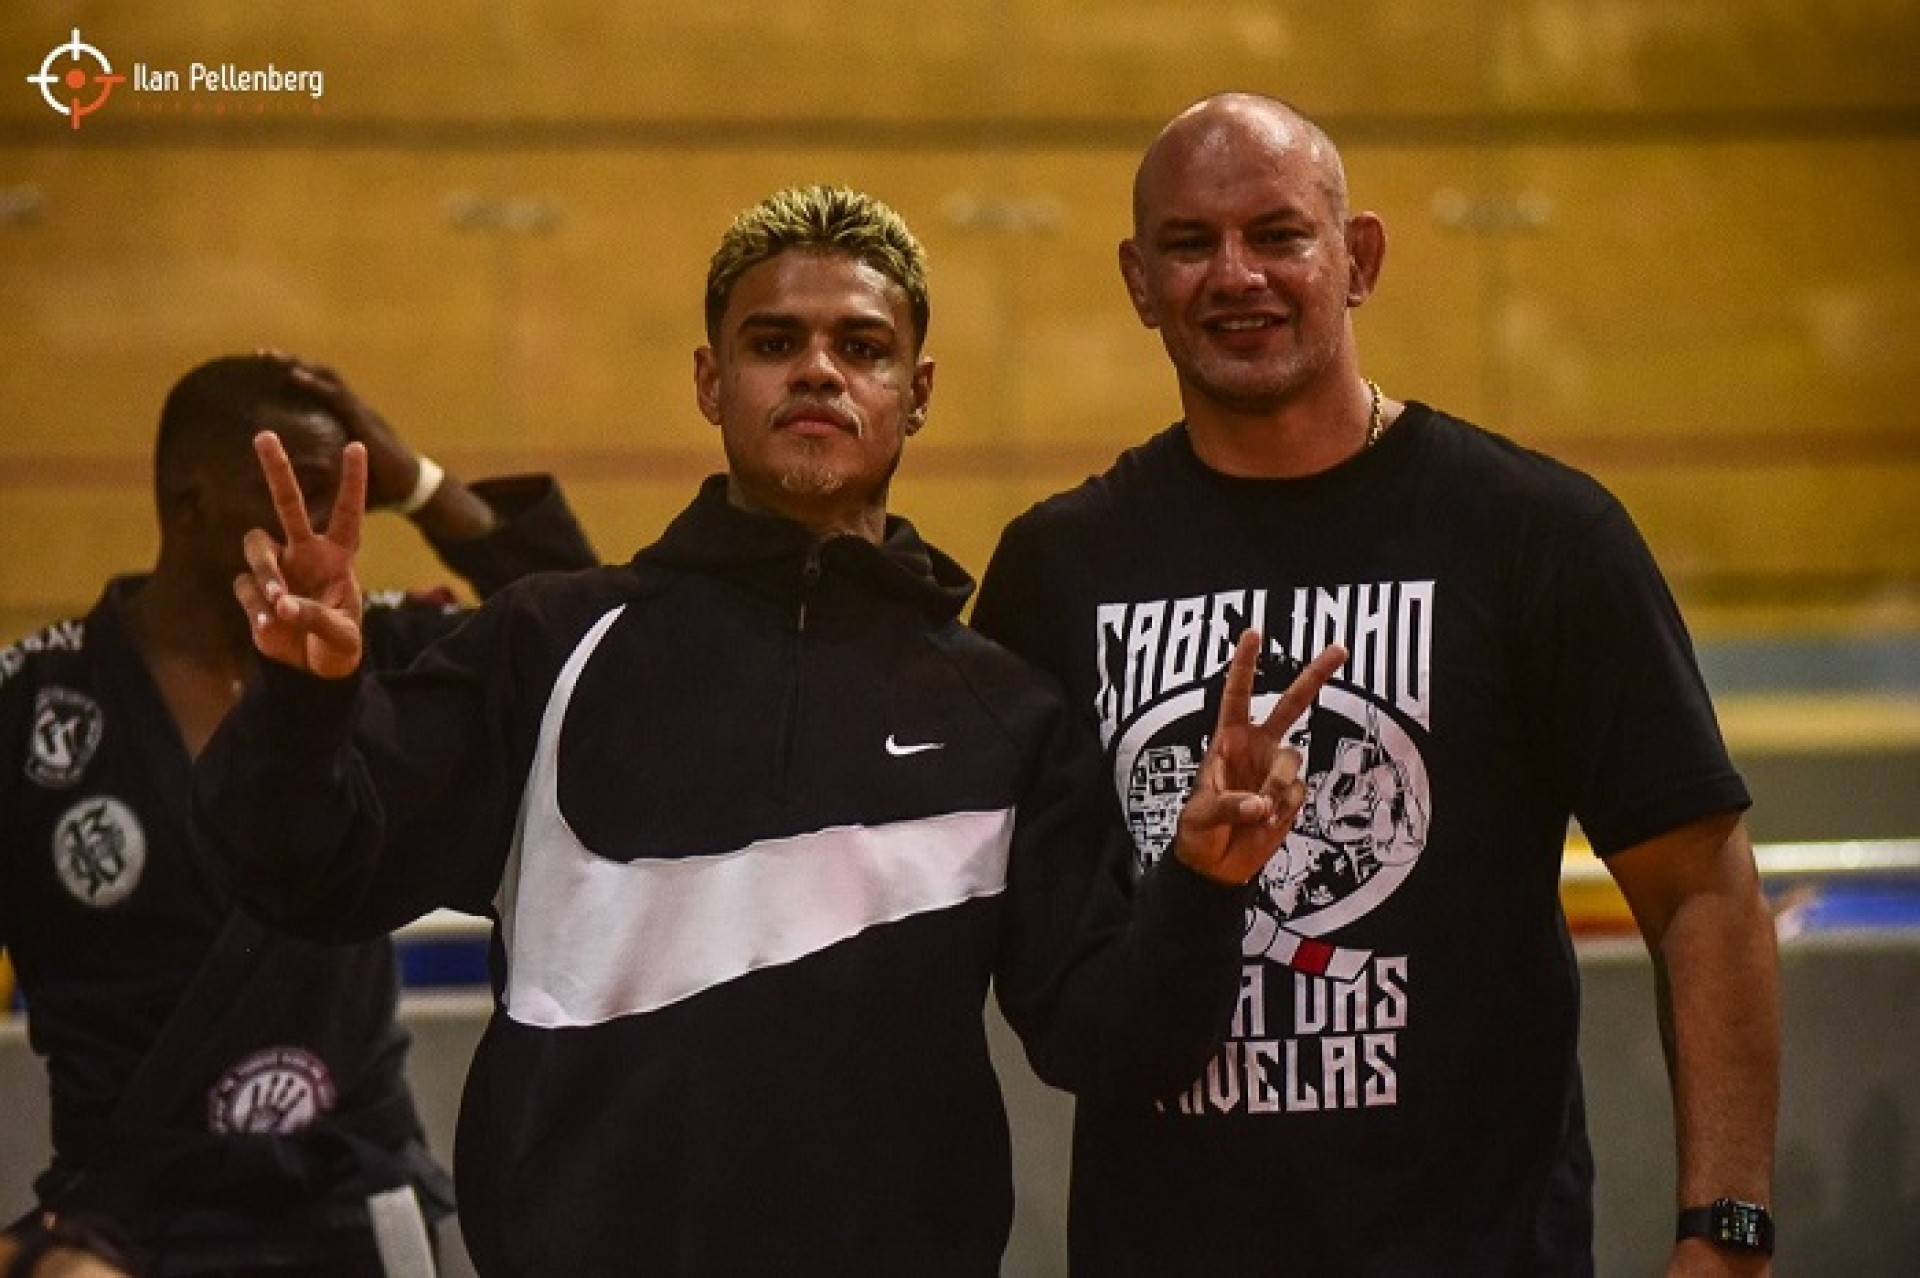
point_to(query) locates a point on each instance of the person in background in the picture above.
(225, 1099)
(1399, 1093)
(759, 821)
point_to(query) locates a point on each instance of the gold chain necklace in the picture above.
(1376, 420)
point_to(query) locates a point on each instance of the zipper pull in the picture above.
(809, 581)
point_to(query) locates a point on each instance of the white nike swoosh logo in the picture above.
(590, 940)
(899, 751)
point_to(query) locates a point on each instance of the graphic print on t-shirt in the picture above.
(1159, 669)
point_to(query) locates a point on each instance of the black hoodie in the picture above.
(758, 820)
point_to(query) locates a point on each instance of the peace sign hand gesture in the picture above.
(1248, 790)
(302, 598)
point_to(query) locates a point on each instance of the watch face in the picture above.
(1746, 1226)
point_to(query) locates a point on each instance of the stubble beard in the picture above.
(1255, 386)
(813, 474)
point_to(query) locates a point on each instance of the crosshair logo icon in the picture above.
(75, 78)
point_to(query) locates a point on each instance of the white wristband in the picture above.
(425, 485)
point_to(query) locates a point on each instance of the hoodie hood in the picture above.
(778, 558)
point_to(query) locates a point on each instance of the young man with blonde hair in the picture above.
(758, 821)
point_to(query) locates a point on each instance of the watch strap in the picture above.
(1729, 1223)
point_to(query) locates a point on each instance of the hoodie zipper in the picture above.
(796, 660)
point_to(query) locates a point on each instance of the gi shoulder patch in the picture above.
(67, 727)
(99, 851)
(275, 1091)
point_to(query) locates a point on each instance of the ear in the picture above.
(922, 392)
(1133, 269)
(1366, 254)
(184, 506)
(706, 383)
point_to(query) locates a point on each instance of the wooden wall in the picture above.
(1672, 241)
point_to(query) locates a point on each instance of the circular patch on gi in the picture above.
(99, 851)
(67, 727)
(274, 1091)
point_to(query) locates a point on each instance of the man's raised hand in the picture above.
(1249, 788)
(392, 466)
(302, 599)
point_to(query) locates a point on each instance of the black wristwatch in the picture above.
(1729, 1223)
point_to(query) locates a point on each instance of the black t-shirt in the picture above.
(1399, 1092)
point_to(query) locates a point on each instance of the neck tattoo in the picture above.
(1376, 418)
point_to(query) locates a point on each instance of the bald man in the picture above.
(1400, 1092)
